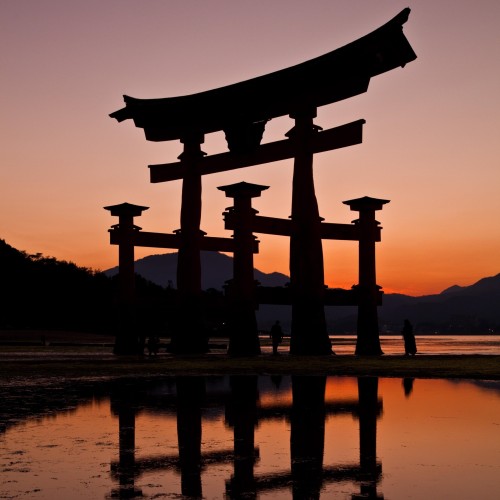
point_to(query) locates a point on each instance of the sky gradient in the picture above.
(430, 141)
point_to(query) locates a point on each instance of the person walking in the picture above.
(276, 336)
(409, 339)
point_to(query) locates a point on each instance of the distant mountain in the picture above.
(42, 292)
(216, 269)
(457, 309)
(452, 289)
(468, 309)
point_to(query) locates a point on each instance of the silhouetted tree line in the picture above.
(38, 292)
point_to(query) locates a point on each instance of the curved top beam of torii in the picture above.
(332, 77)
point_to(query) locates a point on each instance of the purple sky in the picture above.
(430, 142)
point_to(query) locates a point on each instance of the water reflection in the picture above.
(241, 416)
(125, 404)
(246, 437)
(408, 386)
(306, 415)
(190, 397)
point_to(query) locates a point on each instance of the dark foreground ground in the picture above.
(472, 367)
(22, 356)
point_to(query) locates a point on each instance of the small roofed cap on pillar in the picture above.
(365, 203)
(126, 209)
(243, 189)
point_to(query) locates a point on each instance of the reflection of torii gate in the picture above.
(307, 414)
(241, 111)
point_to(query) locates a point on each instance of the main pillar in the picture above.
(309, 334)
(241, 293)
(128, 336)
(368, 340)
(189, 335)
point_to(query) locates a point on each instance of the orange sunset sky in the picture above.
(431, 140)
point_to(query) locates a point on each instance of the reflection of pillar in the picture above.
(126, 412)
(308, 335)
(189, 336)
(241, 414)
(243, 333)
(307, 437)
(408, 386)
(369, 411)
(190, 396)
(127, 339)
(368, 341)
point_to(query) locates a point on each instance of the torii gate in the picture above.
(241, 111)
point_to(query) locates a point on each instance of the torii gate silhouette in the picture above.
(241, 111)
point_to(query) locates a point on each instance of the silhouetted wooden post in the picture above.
(368, 340)
(128, 338)
(244, 338)
(309, 334)
(189, 336)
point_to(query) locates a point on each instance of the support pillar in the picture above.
(241, 292)
(368, 340)
(128, 338)
(189, 336)
(309, 334)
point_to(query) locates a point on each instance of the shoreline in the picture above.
(70, 365)
(73, 355)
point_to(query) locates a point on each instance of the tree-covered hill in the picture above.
(44, 293)
(39, 292)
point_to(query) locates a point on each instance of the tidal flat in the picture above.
(89, 356)
(96, 364)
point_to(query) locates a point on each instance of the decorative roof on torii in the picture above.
(332, 77)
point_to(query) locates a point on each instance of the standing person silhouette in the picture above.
(409, 339)
(276, 336)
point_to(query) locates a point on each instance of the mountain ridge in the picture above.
(40, 291)
(217, 268)
(468, 309)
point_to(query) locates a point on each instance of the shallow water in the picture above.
(345, 344)
(263, 437)
(428, 344)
